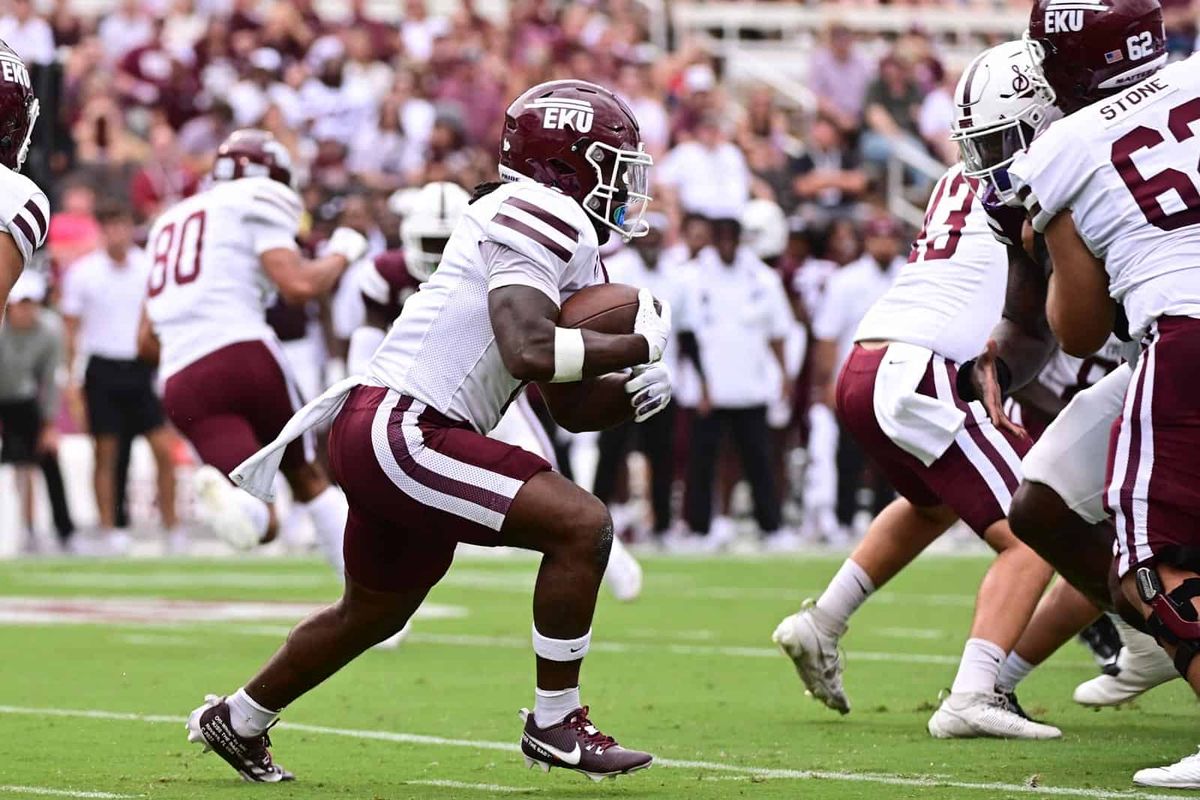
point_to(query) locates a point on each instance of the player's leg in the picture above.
(701, 470)
(573, 532)
(324, 503)
(1061, 614)
(658, 434)
(162, 446)
(104, 447)
(810, 637)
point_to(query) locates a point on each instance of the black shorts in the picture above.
(20, 427)
(120, 397)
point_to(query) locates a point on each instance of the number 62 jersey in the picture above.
(1128, 168)
(207, 288)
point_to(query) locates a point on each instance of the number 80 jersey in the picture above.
(1128, 168)
(207, 288)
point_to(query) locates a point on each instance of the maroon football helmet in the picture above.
(1085, 50)
(252, 153)
(18, 108)
(583, 140)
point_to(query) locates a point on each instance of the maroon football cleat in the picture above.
(575, 744)
(209, 724)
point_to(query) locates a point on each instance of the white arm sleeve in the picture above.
(273, 218)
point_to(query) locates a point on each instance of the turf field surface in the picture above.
(92, 704)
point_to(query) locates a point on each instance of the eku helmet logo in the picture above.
(562, 113)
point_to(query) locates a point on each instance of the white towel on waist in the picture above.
(256, 474)
(921, 425)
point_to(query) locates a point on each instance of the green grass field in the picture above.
(96, 708)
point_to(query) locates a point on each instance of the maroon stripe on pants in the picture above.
(1011, 481)
(438, 483)
(1134, 460)
(536, 235)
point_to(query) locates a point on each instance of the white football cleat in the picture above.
(220, 511)
(623, 574)
(1141, 665)
(807, 638)
(1183, 774)
(984, 714)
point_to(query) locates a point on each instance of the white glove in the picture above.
(348, 243)
(650, 387)
(653, 326)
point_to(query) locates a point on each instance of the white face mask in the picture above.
(621, 200)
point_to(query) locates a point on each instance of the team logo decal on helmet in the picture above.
(563, 114)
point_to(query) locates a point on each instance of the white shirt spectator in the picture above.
(119, 33)
(715, 183)
(32, 39)
(937, 114)
(107, 298)
(420, 34)
(653, 121)
(736, 311)
(849, 293)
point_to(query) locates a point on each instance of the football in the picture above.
(594, 404)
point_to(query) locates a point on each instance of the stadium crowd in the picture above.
(135, 104)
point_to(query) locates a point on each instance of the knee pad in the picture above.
(1173, 619)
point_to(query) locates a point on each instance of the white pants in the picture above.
(1072, 455)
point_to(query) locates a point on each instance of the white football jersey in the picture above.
(1067, 376)
(207, 288)
(1128, 168)
(441, 349)
(951, 292)
(24, 212)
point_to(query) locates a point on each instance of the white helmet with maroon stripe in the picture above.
(1000, 109)
(432, 214)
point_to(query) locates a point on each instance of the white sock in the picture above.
(980, 667)
(850, 587)
(258, 512)
(328, 512)
(248, 717)
(552, 707)
(1014, 670)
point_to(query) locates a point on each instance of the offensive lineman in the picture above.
(1115, 189)
(944, 456)
(24, 209)
(409, 445)
(227, 386)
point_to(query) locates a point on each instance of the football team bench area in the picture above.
(93, 706)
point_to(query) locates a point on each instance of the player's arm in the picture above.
(147, 343)
(533, 347)
(1078, 305)
(11, 264)
(1041, 397)
(302, 279)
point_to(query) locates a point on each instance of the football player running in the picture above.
(227, 386)
(430, 216)
(945, 457)
(24, 209)
(1115, 188)
(409, 442)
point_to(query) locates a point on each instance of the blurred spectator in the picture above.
(202, 135)
(839, 76)
(150, 77)
(640, 264)
(893, 100)
(937, 115)
(636, 86)
(67, 25)
(30, 354)
(28, 34)
(733, 321)
(74, 231)
(163, 179)
(707, 175)
(419, 30)
(827, 171)
(124, 28)
(849, 292)
(102, 304)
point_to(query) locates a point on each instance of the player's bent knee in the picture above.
(594, 530)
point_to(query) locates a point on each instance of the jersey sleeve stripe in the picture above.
(38, 217)
(559, 224)
(26, 231)
(534, 234)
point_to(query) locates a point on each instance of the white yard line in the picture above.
(927, 781)
(44, 791)
(495, 788)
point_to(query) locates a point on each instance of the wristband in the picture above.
(966, 387)
(568, 355)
